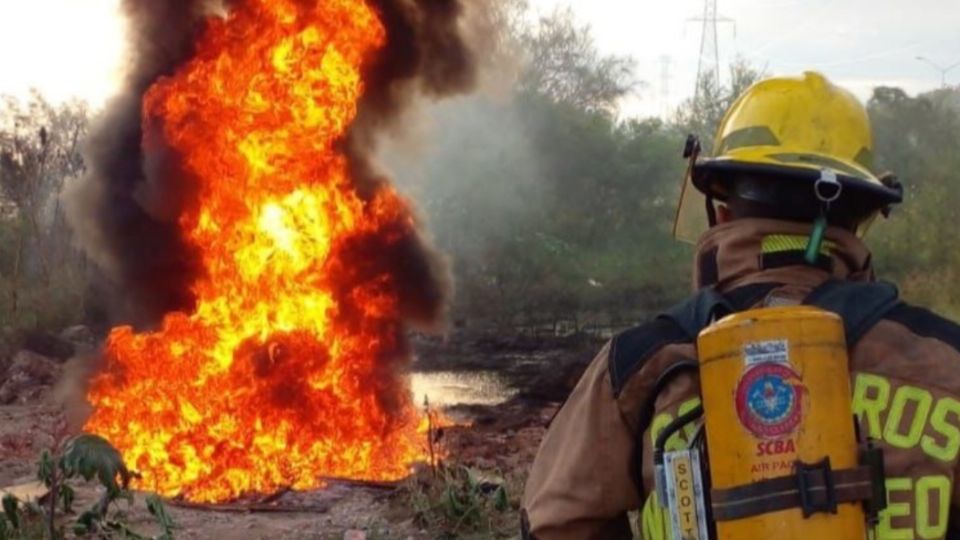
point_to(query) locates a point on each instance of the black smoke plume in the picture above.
(427, 54)
(125, 209)
(109, 209)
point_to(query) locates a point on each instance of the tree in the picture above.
(39, 150)
(916, 138)
(565, 65)
(701, 114)
(551, 208)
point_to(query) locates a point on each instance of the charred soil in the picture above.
(474, 491)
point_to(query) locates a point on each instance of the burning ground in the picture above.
(495, 440)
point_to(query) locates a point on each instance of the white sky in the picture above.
(65, 48)
(858, 43)
(73, 48)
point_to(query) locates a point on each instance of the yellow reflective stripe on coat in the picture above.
(782, 243)
(655, 520)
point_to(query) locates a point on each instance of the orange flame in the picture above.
(282, 373)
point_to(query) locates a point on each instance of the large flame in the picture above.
(281, 375)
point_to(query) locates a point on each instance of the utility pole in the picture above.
(943, 70)
(708, 69)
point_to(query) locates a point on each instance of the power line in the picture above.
(943, 70)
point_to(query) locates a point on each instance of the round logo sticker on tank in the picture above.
(769, 400)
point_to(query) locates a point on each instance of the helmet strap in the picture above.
(816, 240)
(711, 212)
(828, 189)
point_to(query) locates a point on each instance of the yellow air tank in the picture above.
(776, 392)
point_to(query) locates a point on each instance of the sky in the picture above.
(858, 43)
(74, 48)
(65, 48)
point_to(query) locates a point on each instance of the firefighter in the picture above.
(782, 208)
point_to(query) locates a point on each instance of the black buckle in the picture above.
(807, 472)
(872, 456)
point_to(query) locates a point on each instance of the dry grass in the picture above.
(454, 501)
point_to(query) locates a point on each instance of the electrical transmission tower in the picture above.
(708, 69)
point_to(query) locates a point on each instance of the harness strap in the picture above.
(811, 492)
(860, 305)
(708, 305)
(630, 350)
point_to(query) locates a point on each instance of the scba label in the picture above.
(776, 448)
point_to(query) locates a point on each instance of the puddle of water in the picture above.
(463, 388)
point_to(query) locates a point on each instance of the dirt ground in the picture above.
(495, 442)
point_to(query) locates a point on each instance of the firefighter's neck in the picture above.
(744, 251)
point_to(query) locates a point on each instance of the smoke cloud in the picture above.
(427, 54)
(124, 211)
(109, 209)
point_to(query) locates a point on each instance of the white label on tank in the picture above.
(775, 351)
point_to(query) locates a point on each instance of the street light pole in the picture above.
(943, 70)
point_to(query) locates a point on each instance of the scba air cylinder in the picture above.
(776, 394)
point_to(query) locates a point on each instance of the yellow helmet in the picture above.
(781, 138)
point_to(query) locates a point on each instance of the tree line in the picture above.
(557, 214)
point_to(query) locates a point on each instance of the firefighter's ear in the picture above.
(724, 215)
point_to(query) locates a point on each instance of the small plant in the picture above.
(460, 501)
(20, 523)
(85, 457)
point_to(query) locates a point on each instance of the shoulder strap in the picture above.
(861, 305)
(630, 350)
(925, 323)
(709, 305)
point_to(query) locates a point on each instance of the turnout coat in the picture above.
(595, 463)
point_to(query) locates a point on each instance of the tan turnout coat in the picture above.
(905, 374)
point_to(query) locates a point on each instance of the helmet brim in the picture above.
(711, 175)
(715, 177)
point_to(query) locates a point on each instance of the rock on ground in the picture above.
(81, 337)
(29, 376)
(49, 345)
(7, 349)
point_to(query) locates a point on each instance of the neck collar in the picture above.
(748, 251)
